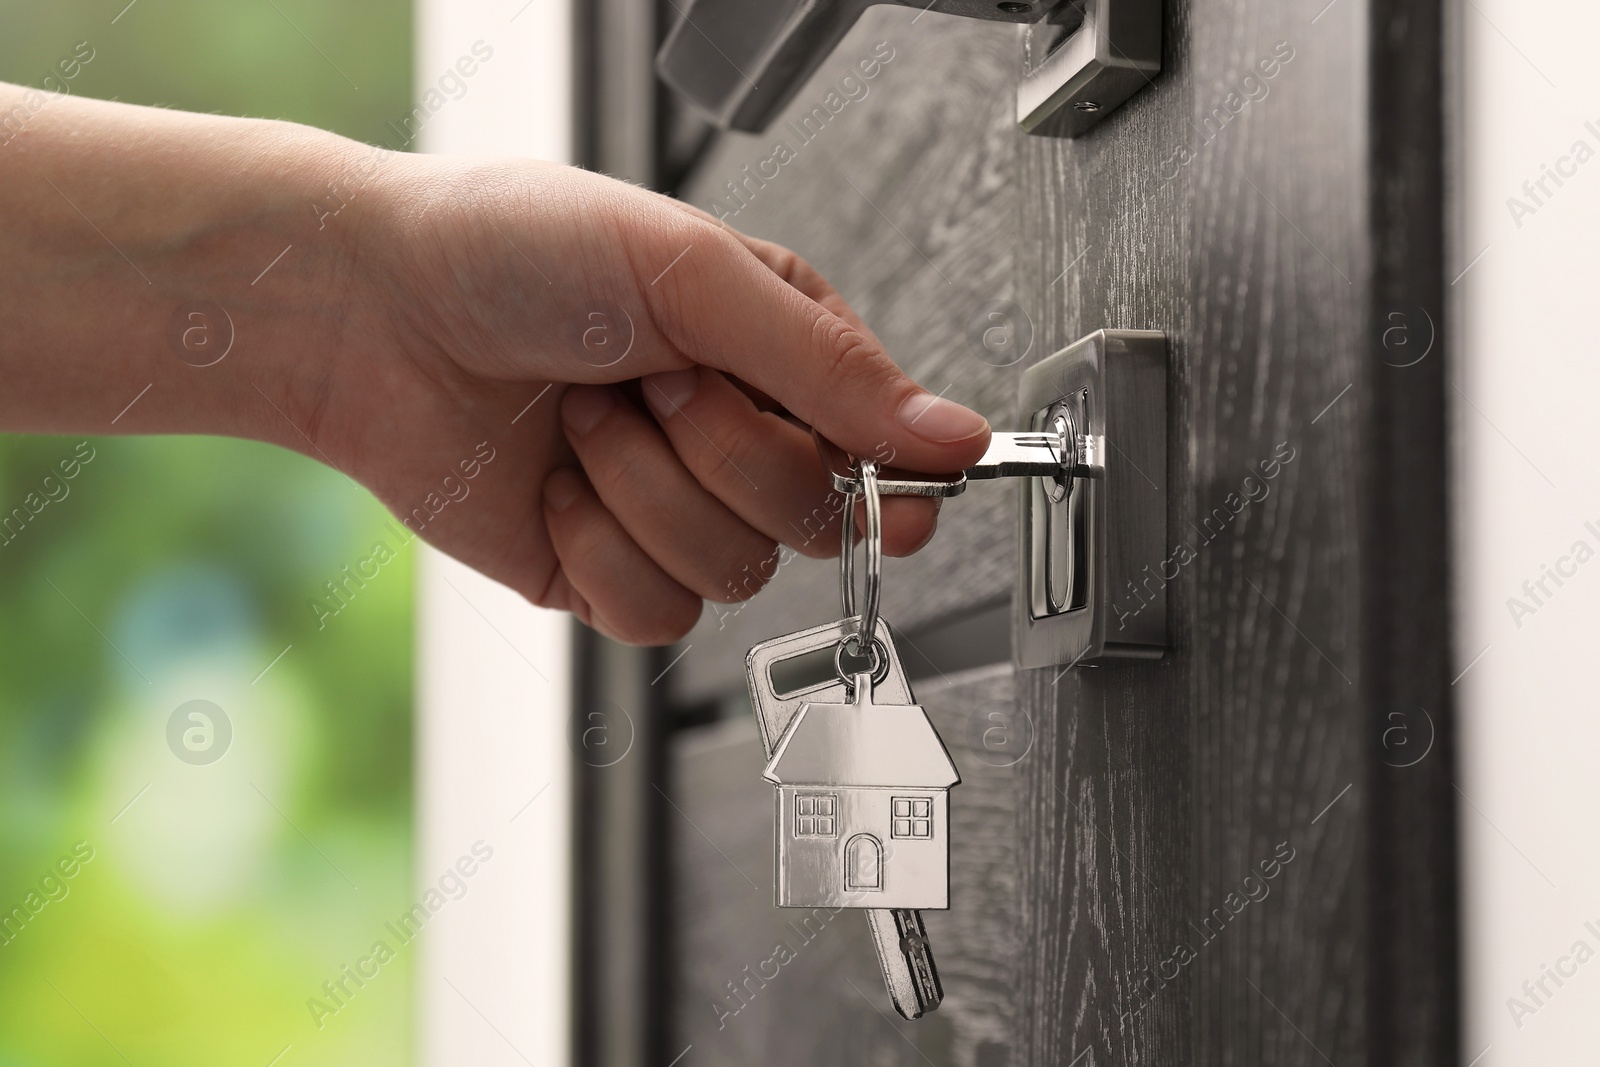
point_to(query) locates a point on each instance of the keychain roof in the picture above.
(862, 744)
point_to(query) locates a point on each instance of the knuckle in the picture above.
(791, 267)
(784, 263)
(849, 356)
(787, 265)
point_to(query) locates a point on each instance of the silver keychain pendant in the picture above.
(863, 806)
(899, 937)
(863, 784)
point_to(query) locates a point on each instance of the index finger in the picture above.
(727, 308)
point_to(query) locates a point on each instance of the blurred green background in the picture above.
(210, 898)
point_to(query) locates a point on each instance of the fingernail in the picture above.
(562, 488)
(668, 391)
(583, 408)
(933, 418)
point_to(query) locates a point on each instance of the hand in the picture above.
(595, 394)
(644, 379)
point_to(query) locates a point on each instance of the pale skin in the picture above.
(423, 305)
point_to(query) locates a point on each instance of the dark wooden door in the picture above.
(1228, 856)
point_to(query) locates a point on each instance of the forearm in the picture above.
(124, 230)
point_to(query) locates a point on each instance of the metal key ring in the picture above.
(879, 660)
(847, 557)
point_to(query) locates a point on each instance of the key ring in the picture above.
(877, 663)
(866, 636)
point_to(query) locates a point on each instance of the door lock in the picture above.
(741, 61)
(1092, 465)
(1091, 587)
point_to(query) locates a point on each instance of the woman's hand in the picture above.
(645, 378)
(592, 393)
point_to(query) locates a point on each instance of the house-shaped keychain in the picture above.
(862, 807)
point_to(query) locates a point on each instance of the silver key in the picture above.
(906, 960)
(898, 935)
(1057, 452)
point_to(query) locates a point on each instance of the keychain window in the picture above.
(913, 817)
(813, 815)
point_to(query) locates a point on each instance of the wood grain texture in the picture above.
(908, 203)
(1174, 783)
(827, 1003)
(1256, 253)
(1267, 223)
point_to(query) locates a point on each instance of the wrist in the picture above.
(269, 296)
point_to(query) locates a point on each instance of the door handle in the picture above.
(741, 61)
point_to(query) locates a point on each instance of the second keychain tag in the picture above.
(774, 710)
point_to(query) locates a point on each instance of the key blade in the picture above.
(892, 481)
(1023, 455)
(1035, 453)
(907, 961)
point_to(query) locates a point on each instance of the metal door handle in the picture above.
(741, 61)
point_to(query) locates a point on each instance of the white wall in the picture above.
(1525, 391)
(492, 732)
